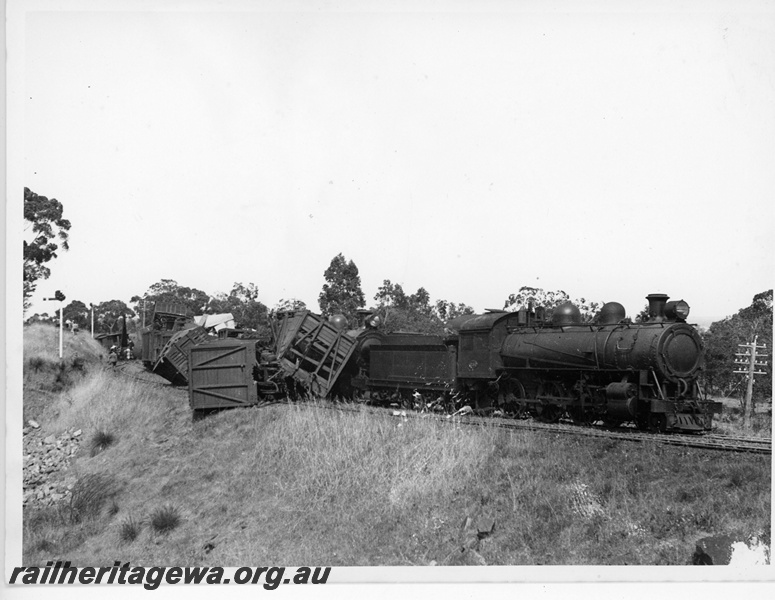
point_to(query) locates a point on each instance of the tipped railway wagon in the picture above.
(166, 342)
(309, 356)
(168, 318)
(523, 363)
(173, 358)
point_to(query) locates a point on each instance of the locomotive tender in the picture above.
(512, 363)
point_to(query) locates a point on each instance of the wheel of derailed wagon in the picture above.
(657, 422)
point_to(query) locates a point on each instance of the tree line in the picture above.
(341, 294)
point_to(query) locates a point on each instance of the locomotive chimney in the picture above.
(657, 307)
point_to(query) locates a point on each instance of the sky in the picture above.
(607, 149)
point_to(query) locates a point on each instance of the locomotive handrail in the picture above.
(532, 343)
(659, 385)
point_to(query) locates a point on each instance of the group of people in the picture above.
(114, 353)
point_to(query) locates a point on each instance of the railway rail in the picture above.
(134, 370)
(708, 441)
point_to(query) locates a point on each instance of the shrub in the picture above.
(88, 496)
(77, 363)
(129, 530)
(36, 363)
(165, 519)
(43, 544)
(100, 441)
(62, 378)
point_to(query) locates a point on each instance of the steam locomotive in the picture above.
(519, 364)
(523, 363)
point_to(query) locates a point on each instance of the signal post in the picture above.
(59, 297)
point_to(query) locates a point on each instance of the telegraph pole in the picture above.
(748, 365)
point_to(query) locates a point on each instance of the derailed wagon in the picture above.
(172, 363)
(168, 318)
(308, 357)
(312, 351)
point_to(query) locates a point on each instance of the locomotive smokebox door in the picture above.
(679, 352)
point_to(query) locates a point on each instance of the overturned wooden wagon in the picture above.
(309, 355)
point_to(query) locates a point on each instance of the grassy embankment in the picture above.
(300, 485)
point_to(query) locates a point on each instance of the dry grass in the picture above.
(41, 341)
(306, 485)
(45, 374)
(88, 497)
(730, 422)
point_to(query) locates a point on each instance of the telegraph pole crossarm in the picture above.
(749, 365)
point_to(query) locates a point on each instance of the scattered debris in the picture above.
(466, 410)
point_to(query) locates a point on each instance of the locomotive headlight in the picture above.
(677, 310)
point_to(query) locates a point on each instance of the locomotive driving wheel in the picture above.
(549, 411)
(511, 398)
(582, 412)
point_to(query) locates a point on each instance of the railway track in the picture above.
(711, 441)
(707, 441)
(134, 370)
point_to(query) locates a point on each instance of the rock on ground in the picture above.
(44, 460)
